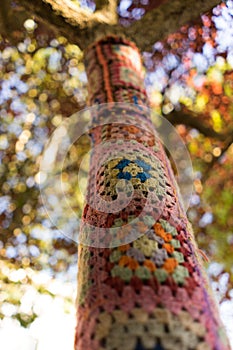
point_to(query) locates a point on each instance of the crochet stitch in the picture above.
(151, 293)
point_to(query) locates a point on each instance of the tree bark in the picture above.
(151, 293)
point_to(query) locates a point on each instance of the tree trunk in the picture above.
(151, 293)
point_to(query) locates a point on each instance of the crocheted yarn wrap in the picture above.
(151, 293)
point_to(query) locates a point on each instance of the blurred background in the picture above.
(189, 78)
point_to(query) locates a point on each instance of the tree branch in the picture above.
(82, 18)
(10, 22)
(3, 19)
(166, 19)
(82, 27)
(79, 26)
(187, 119)
(228, 143)
(100, 4)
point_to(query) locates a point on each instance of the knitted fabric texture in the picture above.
(151, 293)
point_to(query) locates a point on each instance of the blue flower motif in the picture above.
(126, 175)
(135, 100)
(122, 164)
(145, 166)
(143, 176)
